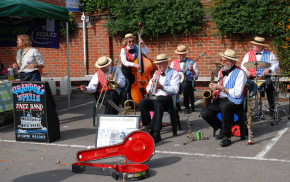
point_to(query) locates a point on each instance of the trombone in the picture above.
(111, 84)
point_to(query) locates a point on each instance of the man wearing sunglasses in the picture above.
(129, 54)
(228, 93)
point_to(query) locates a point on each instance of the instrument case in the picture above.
(138, 147)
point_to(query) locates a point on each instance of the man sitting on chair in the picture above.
(229, 97)
(165, 82)
(260, 54)
(99, 82)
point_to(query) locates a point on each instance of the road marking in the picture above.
(75, 107)
(6, 126)
(259, 157)
(271, 144)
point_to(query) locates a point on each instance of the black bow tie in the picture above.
(182, 61)
(257, 53)
(162, 74)
(226, 73)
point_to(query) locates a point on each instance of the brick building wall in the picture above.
(99, 44)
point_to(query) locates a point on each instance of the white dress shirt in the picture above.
(238, 89)
(144, 50)
(172, 89)
(93, 85)
(273, 61)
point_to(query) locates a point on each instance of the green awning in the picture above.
(32, 8)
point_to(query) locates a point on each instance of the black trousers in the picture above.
(110, 95)
(161, 104)
(227, 110)
(269, 88)
(127, 72)
(188, 95)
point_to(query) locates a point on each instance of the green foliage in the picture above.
(99, 6)
(270, 18)
(159, 17)
(72, 26)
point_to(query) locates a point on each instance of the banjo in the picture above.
(182, 74)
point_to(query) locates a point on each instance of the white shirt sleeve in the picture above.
(274, 63)
(238, 89)
(124, 59)
(195, 70)
(173, 88)
(93, 85)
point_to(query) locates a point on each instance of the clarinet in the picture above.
(250, 120)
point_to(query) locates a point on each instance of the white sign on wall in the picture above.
(73, 5)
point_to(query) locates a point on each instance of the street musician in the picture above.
(185, 66)
(260, 54)
(229, 97)
(99, 84)
(164, 83)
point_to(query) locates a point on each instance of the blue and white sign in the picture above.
(73, 5)
(43, 33)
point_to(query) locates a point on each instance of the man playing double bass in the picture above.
(260, 54)
(165, 82)
(98, 84)
(229, 97)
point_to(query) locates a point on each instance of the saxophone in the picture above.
(249, 119)
(207, 94)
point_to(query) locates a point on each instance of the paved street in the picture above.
(267, 160)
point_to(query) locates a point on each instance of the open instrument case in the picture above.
(138, 147)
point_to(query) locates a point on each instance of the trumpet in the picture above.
(154, 85)
(112, 84)
(127, 107)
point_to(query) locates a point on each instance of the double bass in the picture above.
(142, 75)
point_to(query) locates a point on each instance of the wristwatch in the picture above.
(223, 89)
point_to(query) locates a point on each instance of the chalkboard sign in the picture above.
(35, 118)
(113, 129)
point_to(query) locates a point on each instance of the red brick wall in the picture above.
(98, 45)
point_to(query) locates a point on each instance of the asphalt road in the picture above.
(267, 160)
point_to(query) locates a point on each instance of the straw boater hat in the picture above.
(103, 62)
(161, 58)
(129, 36)
(259, 41)
(230, 54)
(181, 49)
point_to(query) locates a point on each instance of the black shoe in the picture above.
(187, 111)
(157, 138)
(178, 107)
(219, 137)
(226, 142)
(155, 135)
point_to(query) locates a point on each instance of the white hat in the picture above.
(103, 62)
(181, 49)
(259, 41)
(161, 58)
(230, 54)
